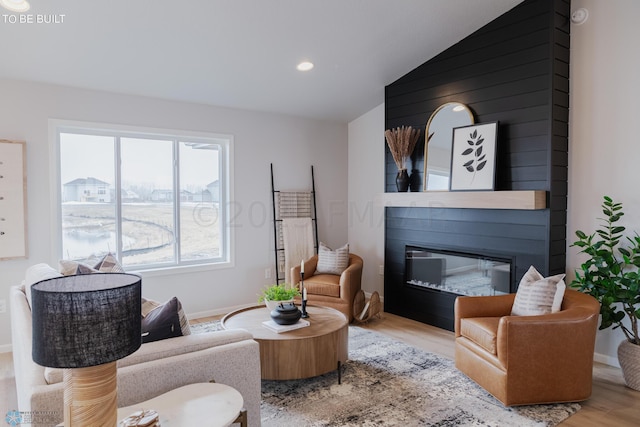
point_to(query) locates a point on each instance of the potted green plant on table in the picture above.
(275, 294)
(611, 274)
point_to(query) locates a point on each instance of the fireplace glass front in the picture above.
(458, 273)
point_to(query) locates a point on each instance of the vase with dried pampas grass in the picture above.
(401, 142)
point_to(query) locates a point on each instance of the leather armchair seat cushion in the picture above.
(323, 284)
(482, 331)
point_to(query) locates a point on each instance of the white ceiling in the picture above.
(239, 53)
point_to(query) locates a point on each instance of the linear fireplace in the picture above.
(456, 272)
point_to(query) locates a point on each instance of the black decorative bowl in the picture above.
(286, 314)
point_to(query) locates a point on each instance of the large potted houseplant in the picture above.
(275, 294)
(611, 274)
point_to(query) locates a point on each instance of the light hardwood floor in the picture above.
(611, 404)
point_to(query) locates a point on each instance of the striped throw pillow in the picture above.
(109, 264)
(538, 294)
(332, 262)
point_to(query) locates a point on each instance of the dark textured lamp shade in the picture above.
(85, 320)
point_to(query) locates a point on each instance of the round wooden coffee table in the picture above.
(302, 353)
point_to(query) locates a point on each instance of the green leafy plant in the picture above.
(611, 274)
(278, 293)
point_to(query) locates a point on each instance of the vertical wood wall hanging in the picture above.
(13, 199)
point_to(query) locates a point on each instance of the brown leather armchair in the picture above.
(330, 290)
(525, 360)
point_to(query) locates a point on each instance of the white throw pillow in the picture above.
(37, 273)
(538, 294)
(332, 262)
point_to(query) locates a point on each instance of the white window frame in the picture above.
(226, 191)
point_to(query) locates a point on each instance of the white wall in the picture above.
(603, 141)
(291, 144)
(366, 183)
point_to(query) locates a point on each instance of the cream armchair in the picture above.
(525, 360)
(330, 290)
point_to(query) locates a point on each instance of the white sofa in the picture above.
(229, 357)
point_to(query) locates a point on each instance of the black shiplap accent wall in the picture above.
(515, 70)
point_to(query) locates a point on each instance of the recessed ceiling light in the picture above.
(15, 5)
(305, 66)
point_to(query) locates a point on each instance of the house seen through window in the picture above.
(154, 200)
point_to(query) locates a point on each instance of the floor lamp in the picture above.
(85, 323)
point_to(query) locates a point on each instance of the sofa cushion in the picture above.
(538, 295)
(37, 273)
(482, 331)
(332, 262)
(323, 284)
(162, 322)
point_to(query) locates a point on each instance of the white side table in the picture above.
(200, 404)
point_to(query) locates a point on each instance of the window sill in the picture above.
(181, 269)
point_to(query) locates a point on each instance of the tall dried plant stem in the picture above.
(402, 141)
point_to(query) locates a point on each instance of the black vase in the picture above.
(286, 314)
(402, 181)
(414, 180)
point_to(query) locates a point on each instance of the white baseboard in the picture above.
(217, 311)
(6, 348)
(607, 360)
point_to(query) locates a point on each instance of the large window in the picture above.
(153, 199)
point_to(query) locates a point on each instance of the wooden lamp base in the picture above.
(90, 396)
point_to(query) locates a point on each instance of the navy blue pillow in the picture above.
(162, 322)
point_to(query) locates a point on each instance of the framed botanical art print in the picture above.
(473, 157)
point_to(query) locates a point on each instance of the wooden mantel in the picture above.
(526, 200)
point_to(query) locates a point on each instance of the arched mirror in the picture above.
(439, 137)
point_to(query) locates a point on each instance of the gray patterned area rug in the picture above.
(388, 383)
